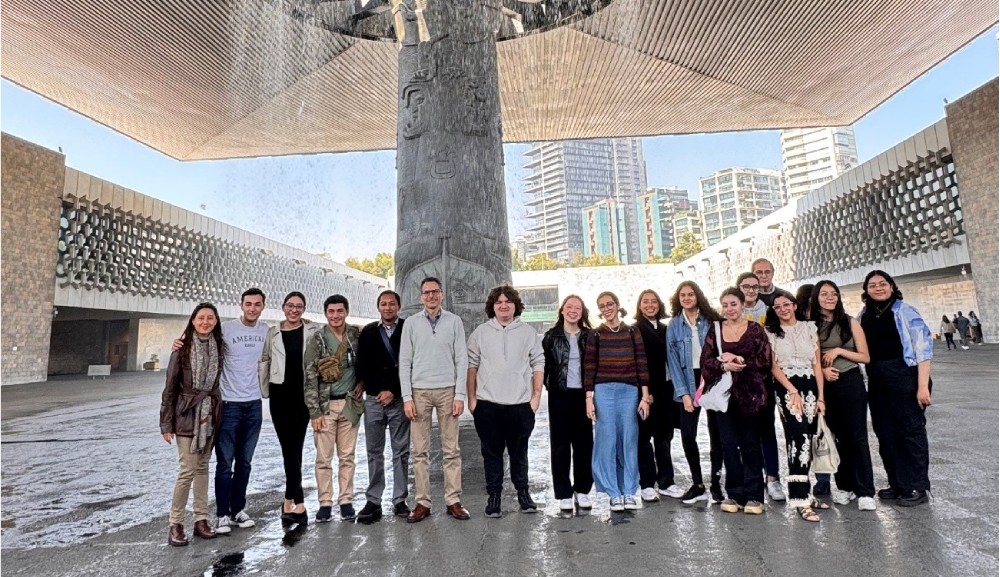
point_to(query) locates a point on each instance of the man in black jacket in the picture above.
(378, 368)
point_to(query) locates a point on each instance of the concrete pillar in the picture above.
(452, 221)
(133, 363)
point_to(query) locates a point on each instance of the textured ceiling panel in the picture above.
(240, 78)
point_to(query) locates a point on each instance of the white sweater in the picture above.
(433, 358)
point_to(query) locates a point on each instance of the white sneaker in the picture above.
(243, 520)
(965, 348)
(565, 504)
(673, 491)
(583, 501)
(649, 495)
(223, 526)
(775, 491)
(617, 504)
(866, 504)
(843, 497)
(630, 503)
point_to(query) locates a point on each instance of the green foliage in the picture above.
(383, 265)
(595, 260)
(657, 260)
(516, 262)
(688, 245)
(541, 261)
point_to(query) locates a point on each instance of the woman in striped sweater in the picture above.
(616, 381)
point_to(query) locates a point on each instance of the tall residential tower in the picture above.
(814, 156)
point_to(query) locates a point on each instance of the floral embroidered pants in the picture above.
(799, 431)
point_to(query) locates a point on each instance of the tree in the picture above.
(595, 260)
(541, 261)
(657, 260)
(383, 265)
(687, 246)
(516, 262)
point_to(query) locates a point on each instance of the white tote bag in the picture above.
(825, 458)
(717, 397)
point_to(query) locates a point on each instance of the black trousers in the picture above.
(899, 423)
(768, 434)
(740, 436)
(499, 427)
(688, 424)
(847, 417)
(950, 341)
(571, 442)
(655, 466)
(291, 419)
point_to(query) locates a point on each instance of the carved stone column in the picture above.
(452, 220)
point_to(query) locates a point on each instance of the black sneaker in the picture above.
(525, 501)
(347, 512)
(694, 494)
(325, 514)
(889, 494)
(401, 509)
(493, 506)
(912, 498)
(716, 492)
(370, 513)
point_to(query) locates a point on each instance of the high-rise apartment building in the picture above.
(734, 198)
(568, 176)
(655, 214)
(604, 230)
(688, 221)
(814, 156)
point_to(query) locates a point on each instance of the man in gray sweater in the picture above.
(506, 366)
(432, 371)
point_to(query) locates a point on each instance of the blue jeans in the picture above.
(234, 447)
(616, 439)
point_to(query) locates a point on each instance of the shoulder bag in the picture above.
(716, 397)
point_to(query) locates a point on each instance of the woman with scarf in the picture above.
(190, 411)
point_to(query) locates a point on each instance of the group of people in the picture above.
(616, 393)
(968, 329)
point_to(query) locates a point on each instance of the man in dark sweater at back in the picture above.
(378, 368)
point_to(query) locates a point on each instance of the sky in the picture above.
(345, 204)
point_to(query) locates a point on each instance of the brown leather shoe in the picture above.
(204, 530)
(459, 512)
(418, 514)
(176, 536)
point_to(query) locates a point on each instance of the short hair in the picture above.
(432, 279)
(395, 295)
(336, 300)
(760, 260)
(614, 297)
(253, 291)
(511, 294)
(896, 293)
(294, 294)
(661, 312)
(744, 276)
(733, 291)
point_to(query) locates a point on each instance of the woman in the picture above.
(745, 353)
(571, 434)
(948, 330)
(899, 387)
(190, 411)
(798, 377)
(692, 318)
(616, 379)
(975, 328)
(843, 347)
(655, 466)
(283, 374)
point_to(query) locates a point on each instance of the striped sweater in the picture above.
(615, 357)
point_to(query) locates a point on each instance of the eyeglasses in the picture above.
(606, 306)
(783, 306)
(879, 285)
(749, 288)
(295, 307)
(431, 292)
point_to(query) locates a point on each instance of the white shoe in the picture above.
(617, 504)
(243, 520)
(775, 491)
(673, 491)
(843, 497)
(565, 504)
(583, 501)
(649, 495)
(223, 526)
(866, 504)
(965, 348)
(630, 503)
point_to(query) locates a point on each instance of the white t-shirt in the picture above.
(244, 344)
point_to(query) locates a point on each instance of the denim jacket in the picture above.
(914, 333)
(679, 353)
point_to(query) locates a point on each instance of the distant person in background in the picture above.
(764, 271)
(962, 329)
(754, 309)
(948, 330)
(975, 328)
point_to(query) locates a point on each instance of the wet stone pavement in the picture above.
(86, 484)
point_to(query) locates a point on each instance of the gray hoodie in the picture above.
(505, 358)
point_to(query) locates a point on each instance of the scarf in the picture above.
(204, 373)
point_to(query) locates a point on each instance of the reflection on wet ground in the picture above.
(86, 488)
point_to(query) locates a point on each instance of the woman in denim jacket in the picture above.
(692, 316)
(899, 387)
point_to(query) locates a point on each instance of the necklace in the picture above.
(879, 311)
(614, 330)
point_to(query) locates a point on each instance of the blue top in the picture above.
(913, 333)
(679, 354)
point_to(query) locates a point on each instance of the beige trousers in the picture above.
(338, 433)
(192, 468)
(424, 402)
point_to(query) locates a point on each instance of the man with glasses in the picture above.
(433, 365)
(764, 271)
(753, 308)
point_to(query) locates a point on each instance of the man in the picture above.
(754, 309)
(962, 328)
(332, 395)
(504, 396)
(764, 271)
(378, 369)
(241, 411)
(432, 373)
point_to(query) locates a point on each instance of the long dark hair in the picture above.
(771, 322)
(584, 318)
(840, 318)
(705, 309)
(802, 296)
(189, 332)
(896, 293)
(661, 313)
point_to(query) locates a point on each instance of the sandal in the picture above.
(816, 503)
(808, 514)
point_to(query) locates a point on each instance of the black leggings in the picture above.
(689, 440)
(291, 419)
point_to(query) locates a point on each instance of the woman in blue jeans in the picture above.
(616, 381)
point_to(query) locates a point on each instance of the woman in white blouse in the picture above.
(798, 375)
